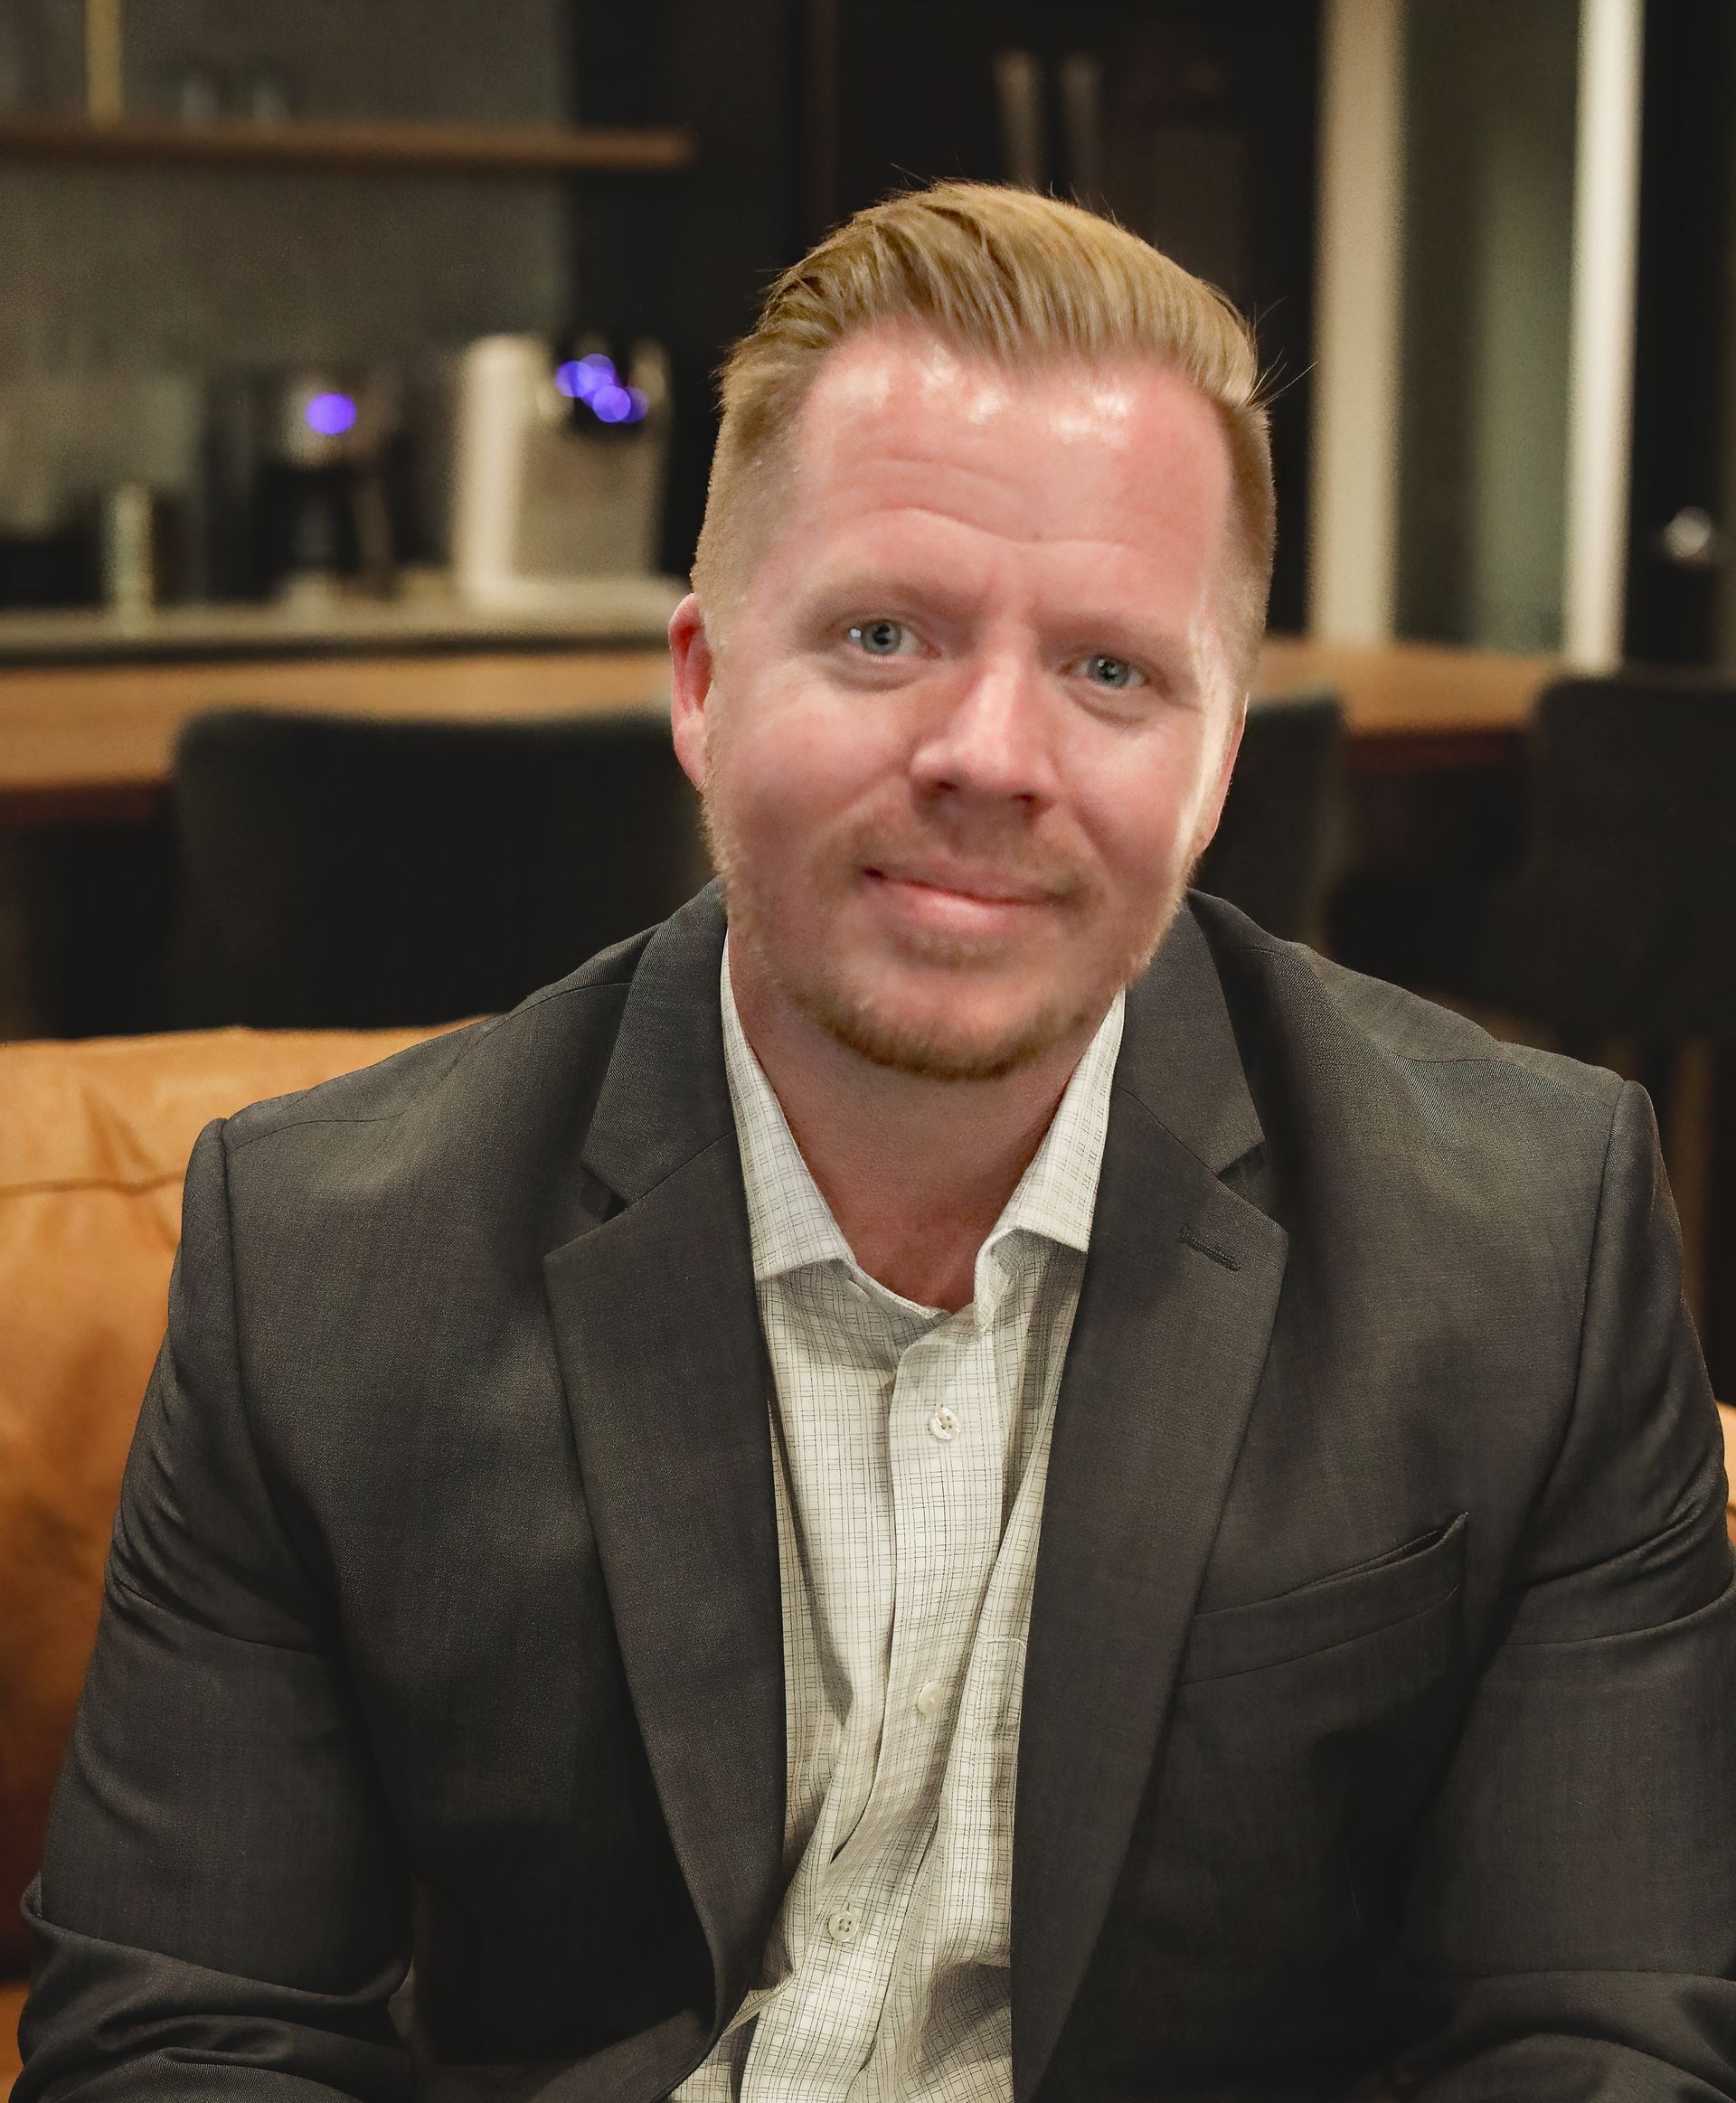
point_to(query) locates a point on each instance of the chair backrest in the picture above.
(344, 873)
(1272, 853)
(94, 1140)
(1622, 916)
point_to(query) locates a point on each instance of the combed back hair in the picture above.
(1009, 276)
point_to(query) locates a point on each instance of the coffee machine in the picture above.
(302, 485)
(560, 452)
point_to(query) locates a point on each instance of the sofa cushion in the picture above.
(94, 1140)
(12, 2005)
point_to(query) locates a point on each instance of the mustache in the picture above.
(983, 844)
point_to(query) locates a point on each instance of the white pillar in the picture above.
(1601, 385)
(1358, 304)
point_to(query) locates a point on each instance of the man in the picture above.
(979, 1483)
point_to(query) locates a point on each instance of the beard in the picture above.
(940, 1046)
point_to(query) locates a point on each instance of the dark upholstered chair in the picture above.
(1618, 921)
(346, 873)
(1272, 851)
(1620, 918)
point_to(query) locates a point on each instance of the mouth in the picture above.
(960, 901)
(981, 887)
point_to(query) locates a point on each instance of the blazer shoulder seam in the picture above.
(1278, 955)
(1591, 1239)
(476, 1038)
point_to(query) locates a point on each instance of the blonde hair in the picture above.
(1010, 276)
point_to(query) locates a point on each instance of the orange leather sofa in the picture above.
(94, 1140)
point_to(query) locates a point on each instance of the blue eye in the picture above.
(1106, 671)
(879, 638)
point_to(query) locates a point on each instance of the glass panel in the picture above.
(1490, 108)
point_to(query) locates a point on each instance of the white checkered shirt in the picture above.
(909, 1451)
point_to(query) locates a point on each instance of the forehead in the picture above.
(901, 436)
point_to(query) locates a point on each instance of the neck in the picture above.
(916, 1170)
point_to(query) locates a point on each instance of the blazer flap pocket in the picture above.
(1353, 1603)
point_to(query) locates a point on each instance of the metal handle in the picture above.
(104, 98)
(1018, 92)
(1692, 541)
(1082, 116)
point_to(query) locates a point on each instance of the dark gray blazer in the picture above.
(1380, 1715)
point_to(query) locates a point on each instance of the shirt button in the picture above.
(944, 1424)
(930, 1696)
(845, 1925)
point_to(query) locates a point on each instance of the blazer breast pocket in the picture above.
(1407, 1583)
(1264, 1879)
(1307, 1731)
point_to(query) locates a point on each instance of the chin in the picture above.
(942, 1046)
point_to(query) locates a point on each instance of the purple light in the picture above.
(331, 415)
(579, 378)
(612, 404)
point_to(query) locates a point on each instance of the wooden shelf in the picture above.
(360, 147)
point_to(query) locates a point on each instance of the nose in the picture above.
(990, 738)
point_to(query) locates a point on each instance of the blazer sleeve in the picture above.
(222, 1907)
(1572, 1905)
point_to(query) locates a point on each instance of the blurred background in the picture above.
(355, 412)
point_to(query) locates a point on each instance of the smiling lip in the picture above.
(990, 890)
(957, 906)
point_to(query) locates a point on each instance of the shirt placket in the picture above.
(947, 1442)
(957, 1913)
(904, 1988)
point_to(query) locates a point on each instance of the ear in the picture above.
(1212, 809)
(692, 669)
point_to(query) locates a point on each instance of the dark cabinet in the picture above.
(1193, 121)
(1193, 124)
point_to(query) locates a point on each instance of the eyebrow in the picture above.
(864, 592)
(859, 591)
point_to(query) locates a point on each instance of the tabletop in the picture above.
(93, 742)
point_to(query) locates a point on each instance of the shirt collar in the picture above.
(1057, 1194)
(790, 1223)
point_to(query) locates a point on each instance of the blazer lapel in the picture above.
(1174, 1315)
(658, 1331)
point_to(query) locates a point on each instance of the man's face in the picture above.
(966, 732)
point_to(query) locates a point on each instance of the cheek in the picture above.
(769, 802)
(1143, 812)
(801, 772)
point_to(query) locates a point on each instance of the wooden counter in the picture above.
(1415, 707)
(93, 742)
